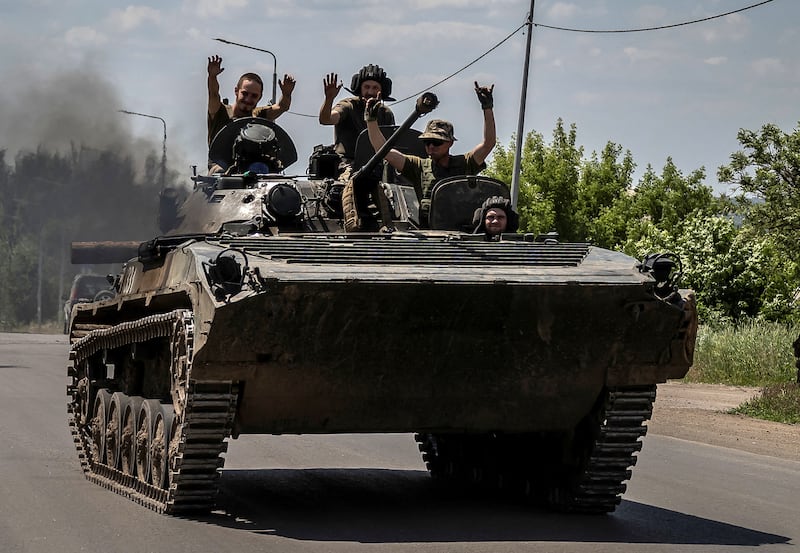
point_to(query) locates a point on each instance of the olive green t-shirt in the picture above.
(351, 123)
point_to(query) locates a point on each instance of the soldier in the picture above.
(347, 116)
(248, 92)
(495, 217)
(438, 138)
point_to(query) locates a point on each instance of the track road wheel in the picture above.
(82, 398)
(160, 446)
(97, 424)
(175, 434)
(127, 442)
(151, 408)
(114, 428)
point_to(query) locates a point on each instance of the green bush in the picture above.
(755, 353)
(777, 402)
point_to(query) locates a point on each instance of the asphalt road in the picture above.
(363, 493)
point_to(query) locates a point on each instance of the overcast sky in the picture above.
(681, 92)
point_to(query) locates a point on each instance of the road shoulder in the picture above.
(697, 412)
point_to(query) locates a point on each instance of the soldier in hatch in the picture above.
(248, 91)
(347, 116)
(495, 217)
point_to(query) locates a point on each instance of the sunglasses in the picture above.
(433, 142)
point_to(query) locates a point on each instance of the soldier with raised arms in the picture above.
(248, 91)
(438, 138)
(347, 116)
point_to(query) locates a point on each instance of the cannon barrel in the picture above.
(104, 252)
(425, 104)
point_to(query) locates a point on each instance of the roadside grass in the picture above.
(777, 402)
(752, 354)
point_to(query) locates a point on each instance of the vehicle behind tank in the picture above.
(525, 364)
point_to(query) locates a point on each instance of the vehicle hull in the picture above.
(370, 357)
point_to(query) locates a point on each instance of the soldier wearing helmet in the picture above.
(347, 116)
(495, 217)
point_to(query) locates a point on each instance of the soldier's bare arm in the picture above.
(287, 87)
(485, 97)
(395, 158)
(214, 69)
(331, 86)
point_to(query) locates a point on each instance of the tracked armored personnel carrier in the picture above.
(526, 364)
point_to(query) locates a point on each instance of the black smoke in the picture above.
(70, 170)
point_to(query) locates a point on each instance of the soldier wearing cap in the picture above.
(438, 138)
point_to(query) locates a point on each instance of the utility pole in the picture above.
(521, 122)
(39, 278)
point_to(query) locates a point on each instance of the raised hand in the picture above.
(331, 85)
(287, 84)
(372, 108)
(484, 94)
(215, 66)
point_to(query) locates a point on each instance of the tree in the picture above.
(670, 198)
(49, 199)
(767, 170)
(737, 274)
(548, 187)
(605, 193)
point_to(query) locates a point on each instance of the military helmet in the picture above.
(512, 218)
(372, 73)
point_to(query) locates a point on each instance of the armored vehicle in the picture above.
(525, 364)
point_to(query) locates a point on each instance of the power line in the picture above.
(567, 29)
(473, 62)
(660, 27)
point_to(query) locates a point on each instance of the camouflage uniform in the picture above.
(422, 173)
(796, 347)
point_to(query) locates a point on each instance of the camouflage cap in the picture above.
(440, 130)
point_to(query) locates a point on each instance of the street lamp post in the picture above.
(274, 63)
(164, 145)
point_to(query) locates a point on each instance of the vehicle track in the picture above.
(190, 440)
(590, 475)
